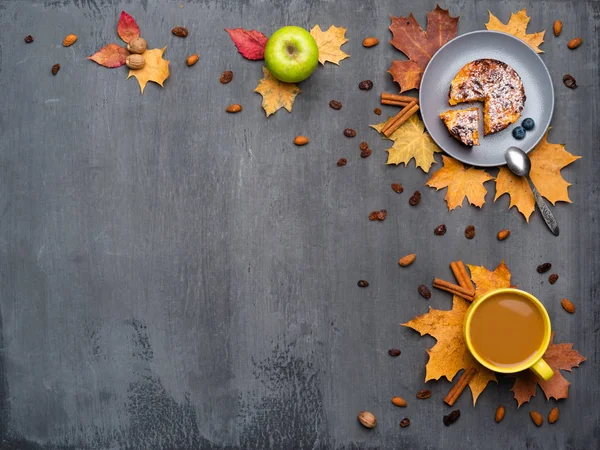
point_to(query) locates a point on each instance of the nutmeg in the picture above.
(137, 45)
(135, 62)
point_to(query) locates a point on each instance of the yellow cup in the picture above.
(535, 363)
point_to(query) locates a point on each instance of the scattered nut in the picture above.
(301, 140)
(137, 45)
(365, 85)
(399, 401)
(440, 230)
(377, 111)
(226, 77)
(234, 108)
(192, 59)
(553, 415)
(574, 43)
(502, 235)
(568, 305)
(363, 283)
(69, 40)
(55, 69)
(423, 394)
(543, 268)
(407, 260)
(342, 162)
(405, 422)
(470, 232)
(334, 104)
(135, 62)
(28, 39)
(349, 132)
(367, 419)
(397, 188)
(394, 352)
(424, 291)
(180, 32)
(537, 418)
(370, 42)
(500, 413)
(557, 27)
(553, 278)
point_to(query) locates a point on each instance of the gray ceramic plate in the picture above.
(433, 94)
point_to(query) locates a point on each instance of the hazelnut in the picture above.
(137, 45)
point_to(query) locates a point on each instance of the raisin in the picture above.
(415, 199)
(543, 268)
(363, 146)
(569, 81)
(366, 85)
(180, 32)
(342, 162)
(423, 394)
(452, 417)
(55, 69)
(378, 215)
(334, 104)
(394, 352)
(440, 230)
(349, 132)
(424, 291)
(397, 187)
(553, 278)
(405, 422)
(28, 39)
(366, 153)
(226, 77)
(470, 232)
(363, 283)
(377, 111)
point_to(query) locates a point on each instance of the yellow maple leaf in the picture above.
(517, 26)
(547, 160)
(411, 141)
(156, 68)
(486, 280)
(329, 43)
(461, 182)
(276, 94)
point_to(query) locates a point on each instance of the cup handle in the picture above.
(542, 370)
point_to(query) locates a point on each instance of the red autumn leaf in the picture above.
(127, 28)
(250, 43)
(419, 45)
(110, 56)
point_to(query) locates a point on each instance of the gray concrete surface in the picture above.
(173, 277)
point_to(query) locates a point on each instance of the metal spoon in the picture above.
(519, 163)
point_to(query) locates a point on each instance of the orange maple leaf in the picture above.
(517, 26)
(486, 280)
(461, 182)
(276, 94)
(329, 43)
(547, 160)
(419, 45)
(156, 69)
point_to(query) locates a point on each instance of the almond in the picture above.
(557, 27)
(234, 108)
(500, 413)
(370, 42)
(301, 140)
(407, 260)
(503, 234)
(192, 59)
(367, 419)
(399, 401)
(537, 418)
(69, 40)
(574, 43)
(135, 62)
(553, 415)
(568, 305)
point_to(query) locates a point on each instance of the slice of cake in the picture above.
(494, 83)
(463, 124)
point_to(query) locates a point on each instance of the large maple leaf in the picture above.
(330, 43)
(547, 160)
(419, 45)
(156, 68)
(411, 141)
(461, 182)
(250, 43)
(559, 357)
(517, 26)
(276, 94)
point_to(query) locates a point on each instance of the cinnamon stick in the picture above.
(454, 289)
(460, 273)
(398, 98)
(394, 102)
(460, 386)
(399, 119)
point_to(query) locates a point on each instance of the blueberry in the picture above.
(528, 124)
(519, 133)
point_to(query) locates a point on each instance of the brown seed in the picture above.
(415, 199)
(334, 104)
(452, 417)
(366, 153)
(424, 291)
(502, 235)
(137, 45)
(235, 108)
(349, 132)
(568, 305)
(377, 111)
(370, 42)
(553, 415)
(226, 77)
(363, 283)
(301, 140)
(423, 394)
(363, 146)
(192, 59)
(342, 162)
(397, 188)
(28, 39)
(553, 278)
(365, 85)
(440, 230)
(470, 232)
(135, 62)
(405, 422)
(500, 411)
(537, 418)
(399, 401)
(367, 419)
(69, 40)
(557, 27)
(569, 81)
(543, 268)
(394, 352)
(55, 69)
(180, 32)
(574, 43)
(407, 260)
(378, 215)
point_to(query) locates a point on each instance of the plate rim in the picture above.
(522, 43)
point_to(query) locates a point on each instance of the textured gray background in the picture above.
(173, 277)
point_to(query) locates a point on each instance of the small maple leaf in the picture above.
(461, 182)
(411, 141)
(419, 45)
(330, 43)
(517, 26)
(547, 160)
(156, 69)
(250, 43)
(486, 280)
(559, 357)
(276, 94)
(127, 27)
(110, 56)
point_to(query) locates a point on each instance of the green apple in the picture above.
(291, 54)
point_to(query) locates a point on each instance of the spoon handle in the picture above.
(546, 213)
